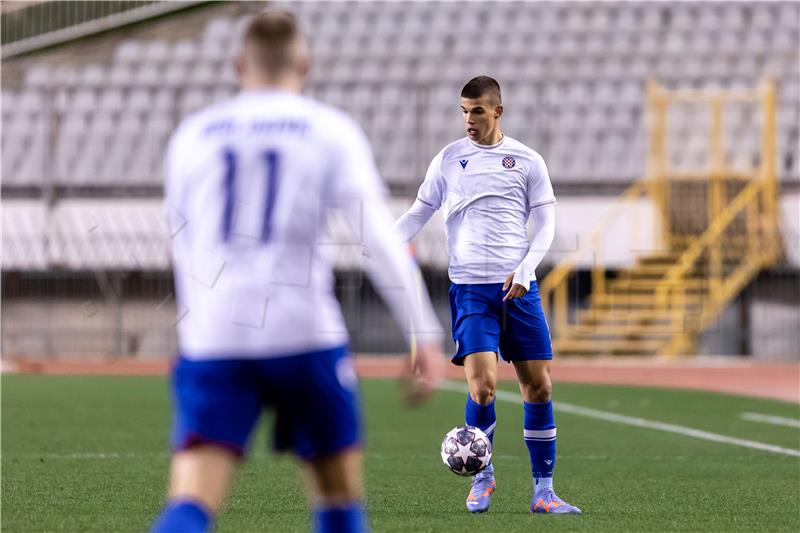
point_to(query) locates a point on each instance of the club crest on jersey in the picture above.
(464, 163)
(509, 162)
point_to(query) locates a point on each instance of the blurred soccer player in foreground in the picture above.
(250, 183)
(488, 185)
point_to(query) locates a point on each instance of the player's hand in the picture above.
(423, 373)
(517, 290)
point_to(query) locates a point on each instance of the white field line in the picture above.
(637, 422)
(89, 455)
(771, 419)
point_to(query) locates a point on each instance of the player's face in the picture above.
(481, 117)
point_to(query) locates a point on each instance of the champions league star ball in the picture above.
(466, 450)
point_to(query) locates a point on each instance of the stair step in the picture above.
(607, 346)
(626, 330)
(668, 258)
(652, 272)
(624, 284)
(625, 300)
(634, 316)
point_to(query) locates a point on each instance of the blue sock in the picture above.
(347, 519)
(540, 437)
(481, 416)
(182, 516)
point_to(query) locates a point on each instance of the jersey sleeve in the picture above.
(354, 176)
(540, 190)
(177, 165)
(431, 192)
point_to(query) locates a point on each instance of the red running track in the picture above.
(775, 380)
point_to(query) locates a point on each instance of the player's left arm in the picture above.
(541, 206)
(544, 224)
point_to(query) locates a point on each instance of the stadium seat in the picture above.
(584, 63)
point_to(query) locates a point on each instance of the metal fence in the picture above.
(48, 23)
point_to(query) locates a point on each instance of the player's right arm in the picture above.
(357, 190)
(429, 199)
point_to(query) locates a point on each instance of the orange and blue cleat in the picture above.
(546, 501)
(480, 494)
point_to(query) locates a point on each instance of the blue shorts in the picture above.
(482, 322)
(315, 396)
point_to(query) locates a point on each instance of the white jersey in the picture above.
(486, 194)
(250, 183)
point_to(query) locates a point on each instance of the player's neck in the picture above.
(284, 83)
(493, 138)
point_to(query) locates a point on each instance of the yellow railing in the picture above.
(554, 289)
(761, 246)
(727, 270)
(762, 249)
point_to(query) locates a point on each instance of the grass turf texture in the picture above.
(89, 454)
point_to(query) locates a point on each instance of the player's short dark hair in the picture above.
(273, 35)
(480, 86)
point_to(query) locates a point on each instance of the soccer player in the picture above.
(250, 185)
(488, 185)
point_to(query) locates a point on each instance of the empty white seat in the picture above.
(30, 101)
(129, 51)
(139, 100)
(219, 29)
(204, 74)
(83, 100)
(175, 74)
(164, 100)
(39, 76)
(94, 75)
(192, 100)
(111, 100)
(148, 74)
(157, 51)
(184, 50)
(212, 50)
(120, 75)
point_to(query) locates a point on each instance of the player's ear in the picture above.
(498, 110)
(303, 67)
(239, 64)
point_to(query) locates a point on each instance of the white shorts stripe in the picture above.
(540, 433)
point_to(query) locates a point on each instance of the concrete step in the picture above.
(634, 300)
(608, 346)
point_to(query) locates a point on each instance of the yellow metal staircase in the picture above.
(712, 242)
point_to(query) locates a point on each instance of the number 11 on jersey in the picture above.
(271, 159)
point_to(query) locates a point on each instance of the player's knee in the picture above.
(538, 392)
(483, 392)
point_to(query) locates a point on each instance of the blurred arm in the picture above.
(408, 225)
(356, 190)
(394, 273)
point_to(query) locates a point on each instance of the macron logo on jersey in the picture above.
(464, 163)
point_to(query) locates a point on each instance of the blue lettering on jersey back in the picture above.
(297, 126)
(228, 126)
(220, 126)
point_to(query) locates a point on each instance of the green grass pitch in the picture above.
(89, 454)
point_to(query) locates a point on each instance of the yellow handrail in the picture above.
(556, 279)
(746, 226)
(688, 259)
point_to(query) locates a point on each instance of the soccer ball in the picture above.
(466, 450)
